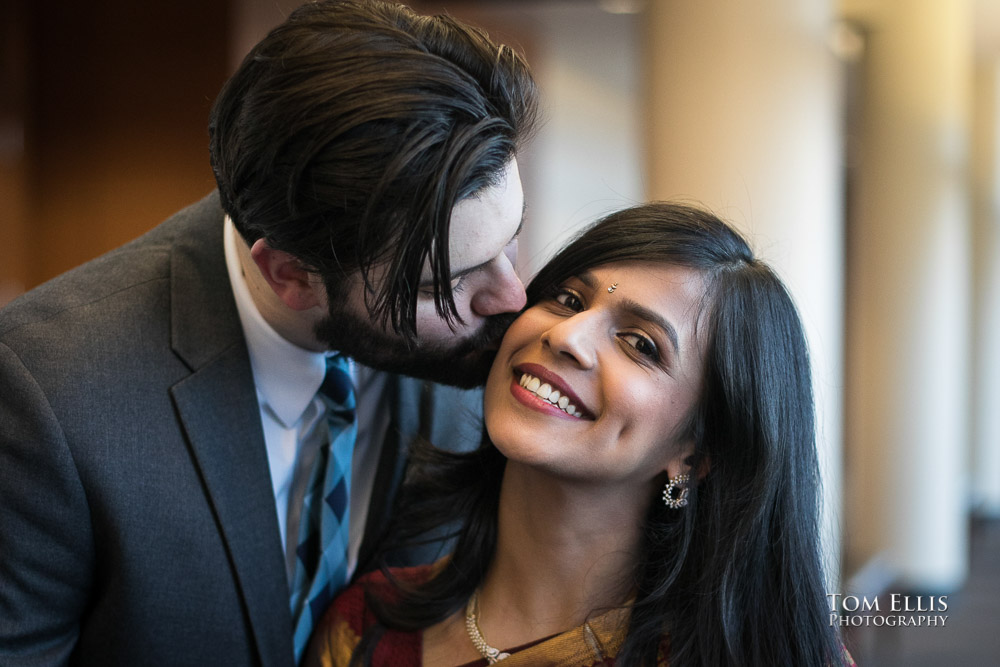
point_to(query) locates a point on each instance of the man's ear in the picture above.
(295, 286)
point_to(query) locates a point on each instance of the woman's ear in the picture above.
(685, 461)
(297, 288)
(701, 467)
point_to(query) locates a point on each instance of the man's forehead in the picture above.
(482, 226)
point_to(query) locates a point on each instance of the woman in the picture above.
(647, 492)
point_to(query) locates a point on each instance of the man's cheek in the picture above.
(429, 323)
(511, 252)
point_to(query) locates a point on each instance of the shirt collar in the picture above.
(287, 376)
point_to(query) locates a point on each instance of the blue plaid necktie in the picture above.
(321, 557)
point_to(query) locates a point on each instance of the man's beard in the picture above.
(464, 363)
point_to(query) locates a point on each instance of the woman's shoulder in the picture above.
(340, 630)
(386, 585)
(349, 615)
(415, 574)
(352, 602)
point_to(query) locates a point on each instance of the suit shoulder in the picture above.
(81, 291)
(100, 288)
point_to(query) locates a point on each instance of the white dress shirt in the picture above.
(287, 378)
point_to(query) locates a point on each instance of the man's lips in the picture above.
(556, 383)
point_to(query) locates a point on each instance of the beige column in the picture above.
(909, 299)
(986, 307)
(742, 111)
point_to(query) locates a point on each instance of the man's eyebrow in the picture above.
(638, 310)
(424, 284)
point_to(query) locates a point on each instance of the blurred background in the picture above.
(855, 141)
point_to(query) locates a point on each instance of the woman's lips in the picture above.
(535, 402)
(537, 384)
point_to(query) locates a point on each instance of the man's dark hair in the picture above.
(349, 133)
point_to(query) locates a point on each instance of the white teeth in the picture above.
(545, 391)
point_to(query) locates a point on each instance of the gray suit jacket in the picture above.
(137, 521)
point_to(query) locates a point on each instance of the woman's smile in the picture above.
(539, 388)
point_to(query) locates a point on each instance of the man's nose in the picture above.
(503, 293)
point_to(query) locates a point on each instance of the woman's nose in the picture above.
(575, 338)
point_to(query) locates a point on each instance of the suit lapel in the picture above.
(217, 408)
(391, 465)
(224, 433)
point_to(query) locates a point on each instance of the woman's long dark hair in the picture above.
(734, 578)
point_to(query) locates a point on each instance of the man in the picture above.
(166, 411)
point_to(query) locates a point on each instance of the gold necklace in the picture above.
(492, 655)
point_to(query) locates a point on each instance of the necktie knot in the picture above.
(337, 388)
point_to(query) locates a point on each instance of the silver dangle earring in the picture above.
(679, 484)
(613, 288)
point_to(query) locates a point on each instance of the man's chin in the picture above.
(465, 364)
(465, 370)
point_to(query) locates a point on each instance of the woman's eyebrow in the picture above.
(642, 312)
(588, 279)
(638, 310)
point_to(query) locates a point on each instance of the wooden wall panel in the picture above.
(13, 183)
(117, 119)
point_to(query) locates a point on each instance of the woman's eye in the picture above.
(641, 344)
(570, 300)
